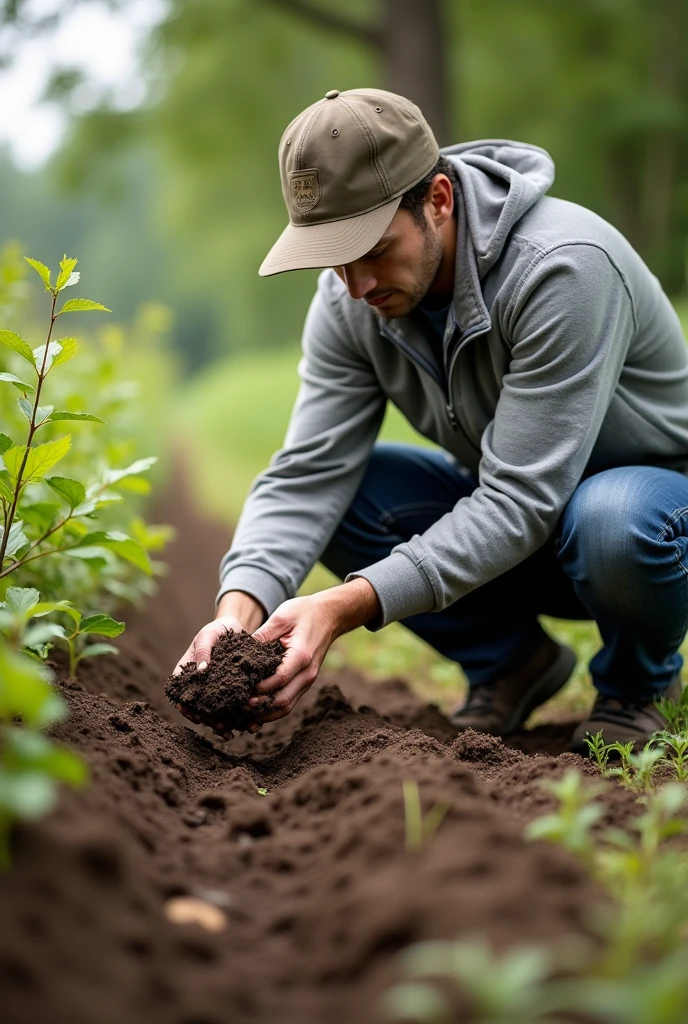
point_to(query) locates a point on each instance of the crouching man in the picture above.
(526, 338)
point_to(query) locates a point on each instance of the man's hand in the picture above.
(306, 627)
(235, 612)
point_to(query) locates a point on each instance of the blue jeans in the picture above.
(618, 555)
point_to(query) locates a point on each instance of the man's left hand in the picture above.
(306, 627)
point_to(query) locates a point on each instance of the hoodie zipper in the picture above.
(425, 364)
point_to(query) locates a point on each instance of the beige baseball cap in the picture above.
(345, 162)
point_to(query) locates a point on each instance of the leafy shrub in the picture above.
(31, 765)
(48, 542)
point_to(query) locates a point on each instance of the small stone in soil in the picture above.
(219, 695)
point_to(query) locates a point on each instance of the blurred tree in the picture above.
(601, 84)
(408, 38)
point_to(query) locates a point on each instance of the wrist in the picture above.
(351, 604)
(242, 606)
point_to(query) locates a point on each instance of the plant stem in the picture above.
(32, 430)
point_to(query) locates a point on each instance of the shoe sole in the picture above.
(546, 686)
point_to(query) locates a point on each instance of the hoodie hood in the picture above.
(500, 181)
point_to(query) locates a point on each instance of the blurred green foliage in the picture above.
(181, 199)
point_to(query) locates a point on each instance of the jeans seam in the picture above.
(673, 518)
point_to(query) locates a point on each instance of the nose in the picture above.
(358, 280)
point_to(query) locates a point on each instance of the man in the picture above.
(525, 337)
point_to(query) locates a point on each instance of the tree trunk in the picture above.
(413, 51)
(658, 184)
(409, 39)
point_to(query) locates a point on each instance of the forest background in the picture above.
(171, 199)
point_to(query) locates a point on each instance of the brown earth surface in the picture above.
(313, 879)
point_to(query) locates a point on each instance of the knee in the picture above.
(606, 527)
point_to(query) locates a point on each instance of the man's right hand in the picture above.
(236, 611)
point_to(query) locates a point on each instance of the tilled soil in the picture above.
(318, 890)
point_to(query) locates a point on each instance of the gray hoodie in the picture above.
(563, 358)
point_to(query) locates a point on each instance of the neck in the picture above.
(443, 283)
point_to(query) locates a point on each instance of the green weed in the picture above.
(420, 828)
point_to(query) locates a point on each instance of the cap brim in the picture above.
(328, 245)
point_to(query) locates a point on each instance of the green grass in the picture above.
(235, 416)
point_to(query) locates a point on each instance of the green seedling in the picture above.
(571, 824)
(22, 605)
(675, 753)
(262, 791)
(634, 770)
(675, 712)
(514, 988)
(419, 828)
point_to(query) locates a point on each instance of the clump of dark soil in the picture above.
(297, 834)
(218, 697)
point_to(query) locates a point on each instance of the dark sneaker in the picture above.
(621, 721)
(502, 706)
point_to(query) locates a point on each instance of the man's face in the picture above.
(398, 272)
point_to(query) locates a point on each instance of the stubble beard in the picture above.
(428, 268)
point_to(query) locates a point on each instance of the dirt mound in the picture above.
(297, 835)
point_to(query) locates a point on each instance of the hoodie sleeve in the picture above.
(570, 322)
(294, 507)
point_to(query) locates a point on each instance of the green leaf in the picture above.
(5, 443)
(103, 625)
(30, 749)
(122, 545)
(11, 340)
(45, 607)
(72, 491)
(140, 466)
(60, 415)
(17, 539)
(44, 362)
(70, 347)
(27, 795)
(41, 514)
(93, 650)
(25, 691)
(20, 599)
(26, 407)
(77, 305)
(40, 459)
(41, 633)
(18, 383)
(41, 269)
(66, 273)
(6, 491)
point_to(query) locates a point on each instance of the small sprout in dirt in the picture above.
(675, 753)
(510, 989)
(262, 790)
(571, 824)
(634, 770)
(598, 750)
(420, 829)
(675, 712)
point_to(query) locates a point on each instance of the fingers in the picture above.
(296, 659)
(201, 647)
(287, 699)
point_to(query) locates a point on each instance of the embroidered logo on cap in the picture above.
(304, 189)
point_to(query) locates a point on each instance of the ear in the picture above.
(441, 199)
